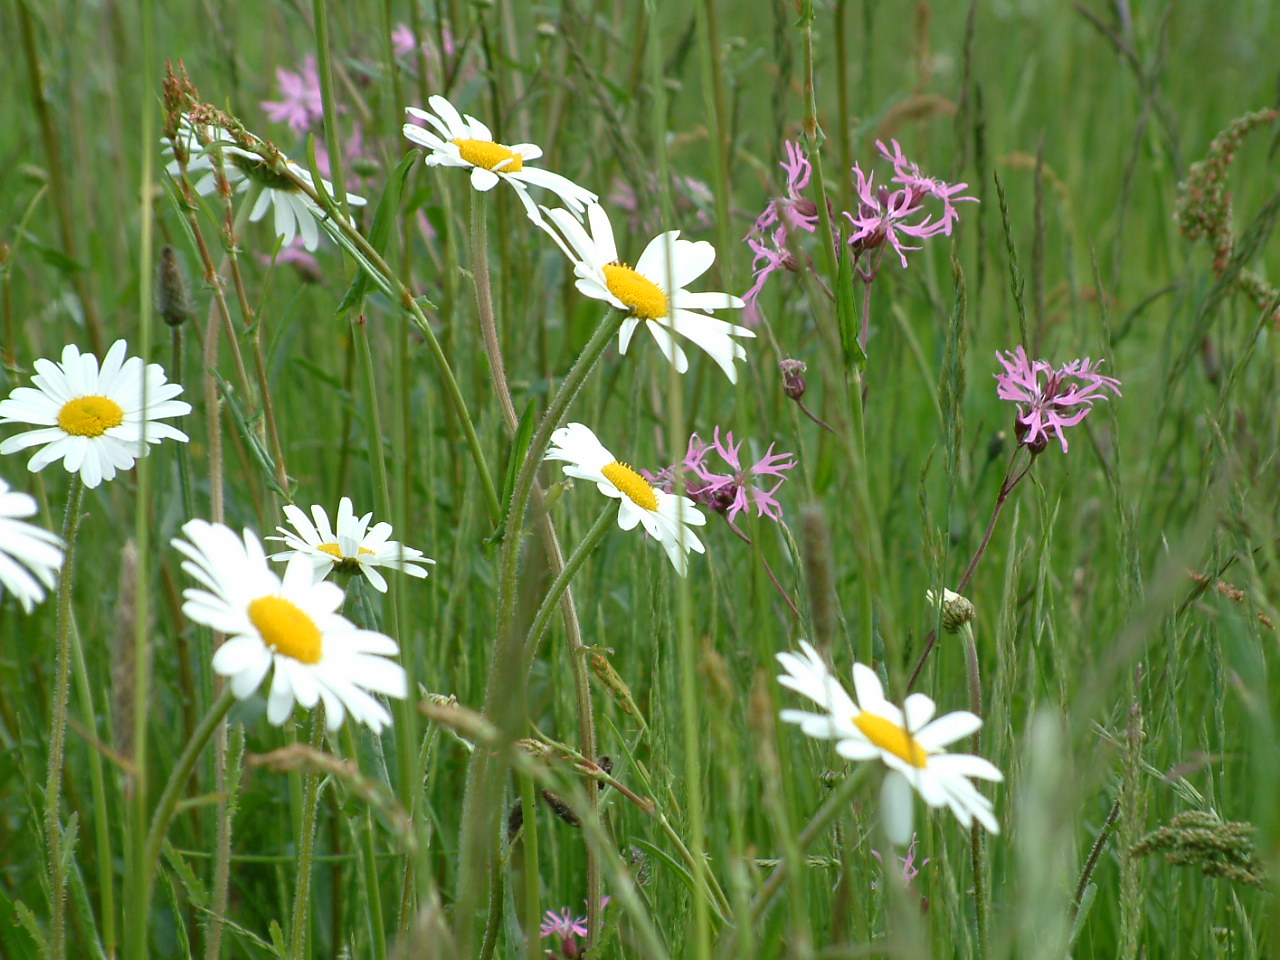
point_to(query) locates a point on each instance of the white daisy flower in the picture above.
(290, 623)
(353, 548)
(91, 418)
(460, 140)
(642, 292)
(295, 213)
(664, 516)
(911, 746)
(30, 556)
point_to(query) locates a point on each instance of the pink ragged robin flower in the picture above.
(882, 214)
(1050, 400)
(568, 928)
(731, 493)
(300, 105)
(769, 236)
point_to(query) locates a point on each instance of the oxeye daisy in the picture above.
(454, 139)
(908, 741)
(653, 292)
(92, 418)
(350, 545)
(288, 623)
(295, 213)
(664, 516)
(30, 556)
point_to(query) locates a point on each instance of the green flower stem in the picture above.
(862, 516)
(372, 262)
(143, 873)
(546, 529)
(532, 877)
(807, 837)
(369, 856)
(977, 858)
(300, 924)
(101, 811)
(58, 734)
(542, 619)
(504, 691)
(332, 135)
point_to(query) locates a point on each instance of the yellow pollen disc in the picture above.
(286, 629)
(335, 551)
(90, 416)
(891, 737)
(636, 487)
(643, 296)
(487, 154)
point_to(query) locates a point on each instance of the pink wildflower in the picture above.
(771, 232)
(296, 255)
(300, 105)
(731, 493)
(403, 41)
(1048, 401)
(882, 214)
(568, 928)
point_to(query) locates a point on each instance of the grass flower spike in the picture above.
(910, 745)
(92, 418)
(1049, 401)
(653, 293)
(294, 213)
(459, 140)
(290, 623)
(665, 517)
(350, 545)
(30, 556)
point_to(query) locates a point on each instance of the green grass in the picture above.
(1109, 676)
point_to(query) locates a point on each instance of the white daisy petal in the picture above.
(91, 416)
(349, 544)
(665, 517)
(288, 626)
(906, 741)
(30, 557)
(467, 142)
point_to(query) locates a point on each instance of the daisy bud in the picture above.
(793, 384)
(956, 610)
(173, 294)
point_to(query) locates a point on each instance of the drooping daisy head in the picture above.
(653, 292)
(210, 148)
(908, 741)
(665, 517)
(290, 623)
(93, 418)
(453, 139)
(30, 556)
(350, 545)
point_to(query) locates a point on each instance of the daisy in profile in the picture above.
(453, 139)
(210, 148)
(354, 547)
(653, 293)
(30, 556)
(664, 516)
(92, 418)
(909, 741)
(288, 623)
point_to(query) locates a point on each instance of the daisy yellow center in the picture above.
(644, 297)
(286, 628)
(637, 489)
(335, 551)
(90, 416)
(892, 738)
(487, 154)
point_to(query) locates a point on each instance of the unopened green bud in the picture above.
(956, 610)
